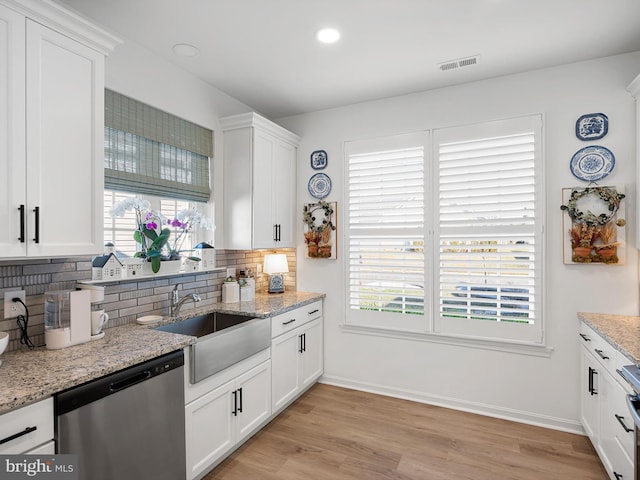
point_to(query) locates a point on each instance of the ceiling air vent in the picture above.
(459, 63)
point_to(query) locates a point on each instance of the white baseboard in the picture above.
(529, 418)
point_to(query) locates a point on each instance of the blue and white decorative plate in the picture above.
(592, 126)
(319, 185)
(319, 159)
(592, 163)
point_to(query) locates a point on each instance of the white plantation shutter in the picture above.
(489, 230)
(385, 229)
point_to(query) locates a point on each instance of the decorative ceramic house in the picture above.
(132, 267)
(106, 267)
(207, 254)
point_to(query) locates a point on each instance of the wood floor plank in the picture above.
(333, 433)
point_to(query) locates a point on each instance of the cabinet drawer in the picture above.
(623, 421)
(602, 350)
(32, 424)
(289, 320)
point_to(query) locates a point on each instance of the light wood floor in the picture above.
(332, 433)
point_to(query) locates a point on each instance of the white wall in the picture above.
(533, 389)
(137, 73)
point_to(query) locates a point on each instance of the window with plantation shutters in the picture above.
(386, 220)
(446, 241)
(488, 230)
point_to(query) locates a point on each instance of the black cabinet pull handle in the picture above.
(279, 232)
(592, 372)
(602, 355)
(18, 435)
(304, 343)
(275, 233)
(300, 350)
(617, 475)
(312, 312)
(235, 403)
(289, 321)
(240, 401)
(21, 237)
(584, 337)
(37, 237)
(621, 421)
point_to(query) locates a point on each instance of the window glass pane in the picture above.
(119, 230)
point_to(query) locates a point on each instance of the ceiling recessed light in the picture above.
(328, 35)
(185, 50)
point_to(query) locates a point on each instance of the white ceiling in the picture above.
(264, 52)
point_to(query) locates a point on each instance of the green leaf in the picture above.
(137, 236)
(155, 264)
(149, 233)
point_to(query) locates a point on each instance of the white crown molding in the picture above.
(252, 119)
(634, 87)
(67, 22)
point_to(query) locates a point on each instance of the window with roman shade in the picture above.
(151, 152)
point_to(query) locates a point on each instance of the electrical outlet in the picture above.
(231, 272)
(13, 309)
(258, 269)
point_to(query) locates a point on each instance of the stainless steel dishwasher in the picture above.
(127, 425)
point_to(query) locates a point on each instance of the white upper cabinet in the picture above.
(634, 90)
(51, 131)
(259, 183)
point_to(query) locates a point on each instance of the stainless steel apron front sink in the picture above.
(223, 340)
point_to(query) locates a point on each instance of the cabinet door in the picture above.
(311, 357)
(284, 363)
(209, 428)
(12, 134)
(253, 392)
(589, 391)
(612, 431)
(285, 193)
(65, 143)
(264, 172)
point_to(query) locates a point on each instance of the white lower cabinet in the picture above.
(223, 418)
(296, 354)
(604, 412)
(28, 429)
(224, 410)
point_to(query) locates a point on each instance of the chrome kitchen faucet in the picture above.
(177, 302)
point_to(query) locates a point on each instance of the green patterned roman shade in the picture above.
(152, 152)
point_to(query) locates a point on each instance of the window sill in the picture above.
(150, 277)
(536, 350)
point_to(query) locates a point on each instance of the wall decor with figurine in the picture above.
(593, 222)
(320, 220)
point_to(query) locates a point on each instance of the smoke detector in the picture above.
(459, 63)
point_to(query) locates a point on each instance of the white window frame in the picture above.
(505, 336)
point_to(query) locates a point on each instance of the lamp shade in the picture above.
(275, 263)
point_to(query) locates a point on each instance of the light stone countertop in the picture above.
(621, 331)
(30, 375)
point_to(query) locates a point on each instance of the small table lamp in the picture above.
(275, 265)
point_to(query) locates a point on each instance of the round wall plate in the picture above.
(319, 185)
(592, 163)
